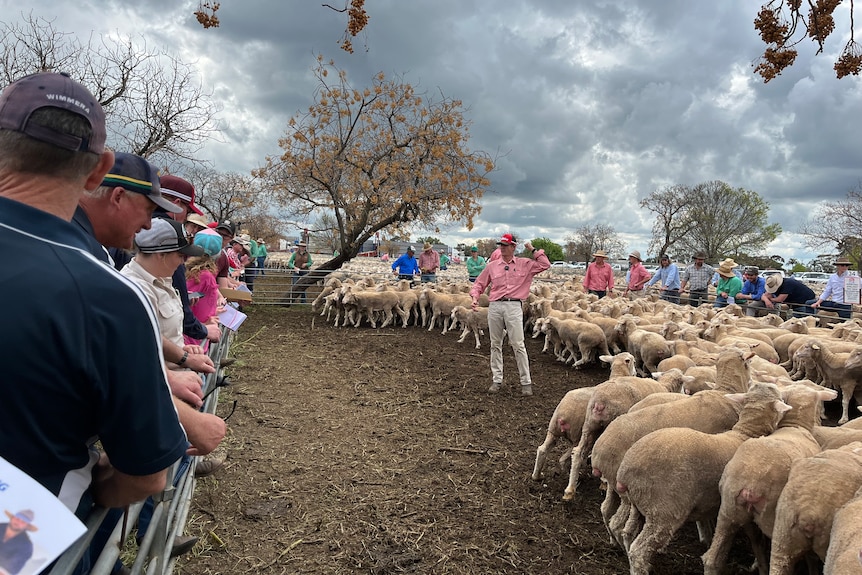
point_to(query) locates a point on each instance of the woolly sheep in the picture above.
(816, 489)
(707, 411)
(837, 374)
(568, 418)
(609, 400)
(671, 475)
(472, 321)
(753, 479)
(844, 554)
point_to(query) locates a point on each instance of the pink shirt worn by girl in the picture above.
(205, 307)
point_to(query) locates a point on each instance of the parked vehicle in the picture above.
(812, 277)
(559, 264)
(767, 273)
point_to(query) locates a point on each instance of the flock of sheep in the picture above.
(706, 416)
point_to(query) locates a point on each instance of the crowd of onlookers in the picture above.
(113, 300)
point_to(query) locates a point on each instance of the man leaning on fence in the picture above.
(752, 289)
(832, 298)
(81, 372)
(696, 279)
(785, 291)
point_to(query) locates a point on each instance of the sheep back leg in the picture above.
(589, 434)
(653, 538)
(542, 455)
(610, 504)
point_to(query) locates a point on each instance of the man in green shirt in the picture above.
(475, 264)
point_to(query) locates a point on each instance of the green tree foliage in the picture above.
(377, 158)
(553, 250)
(430, 239)
(710, 217)
(837, 225)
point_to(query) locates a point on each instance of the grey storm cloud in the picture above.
(588, 106)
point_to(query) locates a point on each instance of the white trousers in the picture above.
(508, 316)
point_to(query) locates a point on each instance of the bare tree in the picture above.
(586, 240)
(377, 158)
(154, 102)
(837, 224)
(672, 222)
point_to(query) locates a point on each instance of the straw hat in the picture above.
(25, 515)
(725, 271)
(426, 246)
(636, 255)
(842, 261)
(600, 254)
(198, 220)
(773, 282)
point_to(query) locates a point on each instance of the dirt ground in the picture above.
(354, 450)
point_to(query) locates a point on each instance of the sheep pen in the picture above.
(379, 451)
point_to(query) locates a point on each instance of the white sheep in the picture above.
(816, 489)
(836, 372)
(582, 340)
(753, 479)
(708, 411)
(568, 418)
(474, 322)
(672, 475)
(844, 554)
(610, 400)
(648, 348)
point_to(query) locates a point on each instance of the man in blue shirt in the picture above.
(406, 266)
(668, 275)
(81, 372)
(752, 289)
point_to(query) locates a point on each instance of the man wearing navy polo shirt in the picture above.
(78, 370)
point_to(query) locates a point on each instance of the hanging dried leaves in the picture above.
(782, 25)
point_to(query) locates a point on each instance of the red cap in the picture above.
(506, 240)
(180, 188)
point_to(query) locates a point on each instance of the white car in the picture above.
(561, 264)
(766, 273)
(812, 277)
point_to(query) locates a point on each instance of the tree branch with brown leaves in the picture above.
(784, 24)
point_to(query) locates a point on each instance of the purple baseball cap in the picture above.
(24, 96)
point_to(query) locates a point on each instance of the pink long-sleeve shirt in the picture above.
(599, 278)
(638, 276)
(510, 280)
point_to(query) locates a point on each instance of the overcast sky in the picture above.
(591, 104)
